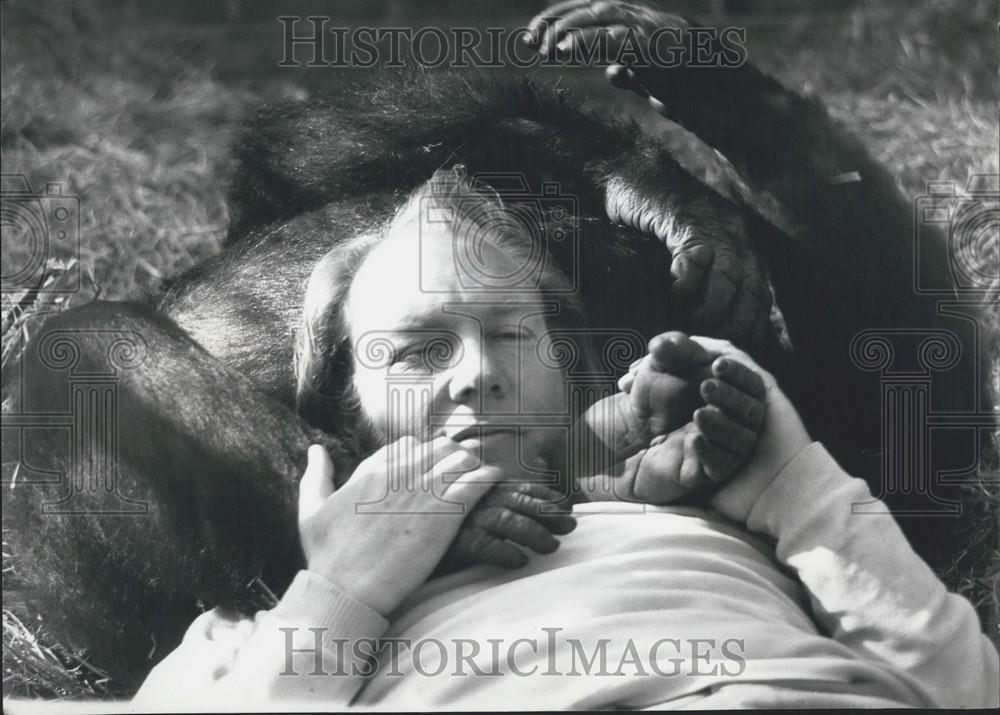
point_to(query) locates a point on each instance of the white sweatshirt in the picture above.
(639, 607)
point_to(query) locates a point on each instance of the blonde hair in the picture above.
(324, 359)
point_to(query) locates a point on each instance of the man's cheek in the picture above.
(396, 408)
(557, 396)
(372, 407)
(542, 389)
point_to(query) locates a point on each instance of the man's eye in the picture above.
(408, 355)
(510, 332)
(435, 354)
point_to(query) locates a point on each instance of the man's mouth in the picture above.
(483, 432)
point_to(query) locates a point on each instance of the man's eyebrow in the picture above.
(446, 319)
(420, 322)
(522, 308)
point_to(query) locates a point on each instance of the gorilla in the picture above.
(207, 444)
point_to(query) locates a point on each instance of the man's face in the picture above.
(436, 355)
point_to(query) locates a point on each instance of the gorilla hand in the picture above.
(646, 50)
(508, 519)
(719, 284)
(721, 437)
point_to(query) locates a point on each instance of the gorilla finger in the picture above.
(662, 491)
(543, 21)
(485, 548)
(756, 282)
(742, 377)
(660, 439)
(629, 377)
(676, 353)
(623, 77)
(688, 268)
(658, 479)
(590, 16)
(656, 105)
(540, 505)
(566, 25)
(691, 473)
(542, 492)
(744, 314)
(557, 524)
(720, 291)
(723, 431)
(587, 38)
(736, 404)
(506, 523)
(508, 494)
(719, 347)
(718, 464)
(619, 76)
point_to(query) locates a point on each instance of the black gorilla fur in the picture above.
(208, 436)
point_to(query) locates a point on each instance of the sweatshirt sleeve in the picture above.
(316, 646)
(868, 588)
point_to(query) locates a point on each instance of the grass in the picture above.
(141, 137)
(145, 159)
(140, 133)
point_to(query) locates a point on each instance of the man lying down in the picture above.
(765, 592)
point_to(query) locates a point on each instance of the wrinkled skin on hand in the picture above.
(718, 282)
(720, 285)
(510, 518)
(694, 459)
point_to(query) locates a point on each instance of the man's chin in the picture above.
(503, 452)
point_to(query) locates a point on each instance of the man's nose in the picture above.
(478, 375)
